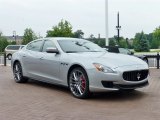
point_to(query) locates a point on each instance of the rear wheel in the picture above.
(78, 83)
(18, 73)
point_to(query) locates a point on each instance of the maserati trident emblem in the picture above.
(138, 76)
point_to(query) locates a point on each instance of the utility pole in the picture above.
(118, 28)
(106, 21)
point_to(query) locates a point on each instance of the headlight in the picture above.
(103, 68)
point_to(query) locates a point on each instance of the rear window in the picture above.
(13, 47)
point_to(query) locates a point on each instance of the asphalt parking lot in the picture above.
(41, 101)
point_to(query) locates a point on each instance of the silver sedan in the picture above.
(79, 64)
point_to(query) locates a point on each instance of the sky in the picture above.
(87, 15)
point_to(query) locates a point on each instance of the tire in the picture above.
(79, 83)
(18, 73)
(9, 56)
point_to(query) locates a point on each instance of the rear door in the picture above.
(31, 58)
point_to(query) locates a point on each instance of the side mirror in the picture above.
(52, 50)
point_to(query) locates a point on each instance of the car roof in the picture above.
(59, 38)
(63, 38)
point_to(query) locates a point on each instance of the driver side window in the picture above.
(47, 44)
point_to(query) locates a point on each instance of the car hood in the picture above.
(112, 60)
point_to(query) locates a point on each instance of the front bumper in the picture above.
(101, 82)
(121, 86)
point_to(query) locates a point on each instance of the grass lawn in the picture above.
(151, 51)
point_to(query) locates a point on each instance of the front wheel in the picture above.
(18, 73)
(78, 83)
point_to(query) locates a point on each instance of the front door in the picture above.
(49, 63)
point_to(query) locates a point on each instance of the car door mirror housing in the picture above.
(52, 50)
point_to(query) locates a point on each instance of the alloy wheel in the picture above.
(17, 72)
(78, 83)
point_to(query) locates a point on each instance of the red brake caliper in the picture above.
(83, 81)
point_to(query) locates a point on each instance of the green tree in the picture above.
(154, 44)
(101, 42)
(3, 43)
(122, 42)
(144, 45)
(128, 43)
(112, 42)
(150, 38)
(28, 36)
(156, 38)
(141, 44)
(136, 41)
(63, 29)
(12, 43)
(78, 34)
(91, 36)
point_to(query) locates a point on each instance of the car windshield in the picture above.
(72, 46)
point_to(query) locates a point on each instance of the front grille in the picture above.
(135, 75)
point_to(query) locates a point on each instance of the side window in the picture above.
(35, 46)
(47, 44)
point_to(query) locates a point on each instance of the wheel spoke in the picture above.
(15, 75)
(17, 72)
(73, 82)
(79, 89)
(16, 68)
(75, 77)
(18, 76)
